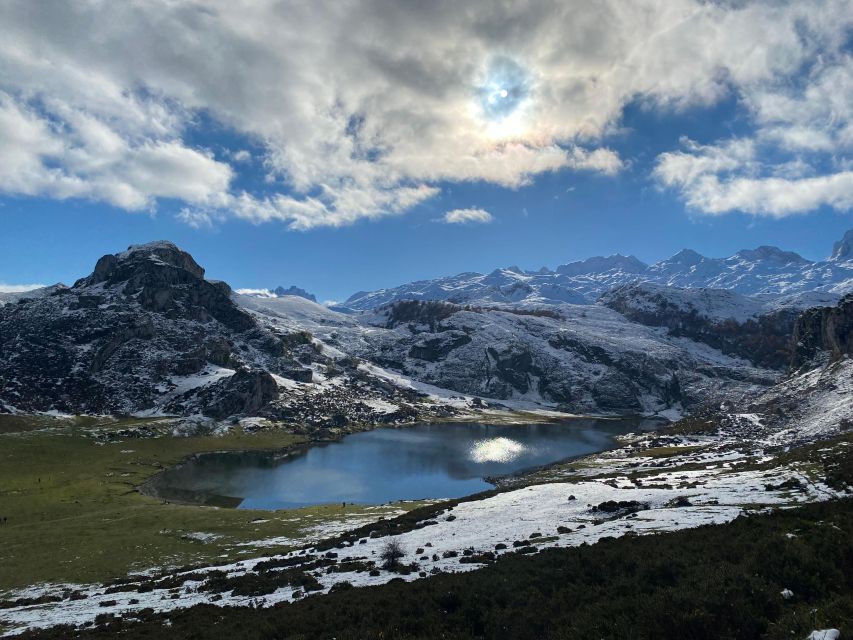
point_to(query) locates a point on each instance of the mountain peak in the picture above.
(771, 254)
(843, 249)
(687, 257)
(141, 257)
(629, 264)
(294, 291)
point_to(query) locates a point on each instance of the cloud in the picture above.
(366, 108)
(796, 159)
(72, 154)
(718, 179)
(19, 288)
(466, 216)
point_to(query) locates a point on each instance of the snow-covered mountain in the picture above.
(766, 271)
(146, 333)
(278, 292)
(579, 358)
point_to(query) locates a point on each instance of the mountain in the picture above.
(766, 271)
(843, 249)
(579, 358)
(146, 334)
(757, 329)
(278, 292)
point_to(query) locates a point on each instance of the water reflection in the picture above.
(496, 450)
(424, 461)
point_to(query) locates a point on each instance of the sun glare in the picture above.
(503, 97)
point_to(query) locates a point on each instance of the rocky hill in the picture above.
(141, 332)
(146, 334)
(278, 292)
(758, 330)
(762, 271)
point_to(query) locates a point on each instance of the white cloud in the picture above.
(717, 179)
(19, 288)
(364, 108)
(465, 216)
(776, 197)
(72, 154)
(257, 292)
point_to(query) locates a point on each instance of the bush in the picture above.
(391, 554)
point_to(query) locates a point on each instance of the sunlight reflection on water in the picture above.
(496, 450)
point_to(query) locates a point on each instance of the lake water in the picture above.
(386, 465)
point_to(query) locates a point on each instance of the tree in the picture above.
(391, 554)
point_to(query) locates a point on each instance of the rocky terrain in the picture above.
(146, 334)
(762, 271)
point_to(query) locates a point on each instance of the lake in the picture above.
(385, 465)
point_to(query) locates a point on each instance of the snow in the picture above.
(825, 634)
(381, 406)
(146, 247)
(765, 270)
(719, 497)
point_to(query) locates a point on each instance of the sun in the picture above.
(503, 97)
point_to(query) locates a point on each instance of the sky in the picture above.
(359, 144)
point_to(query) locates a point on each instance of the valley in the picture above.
(132, 403)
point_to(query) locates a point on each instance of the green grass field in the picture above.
(73, 513)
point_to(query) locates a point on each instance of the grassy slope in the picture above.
(74, 515)
(716, 582)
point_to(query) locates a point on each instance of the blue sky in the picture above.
(293, 167)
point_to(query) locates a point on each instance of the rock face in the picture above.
(734, 324)
(824, 330)
(246, 392)
(581, 358)
(145, 329)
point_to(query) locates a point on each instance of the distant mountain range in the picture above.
(763, 271)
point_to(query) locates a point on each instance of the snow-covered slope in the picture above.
(767, 271)
(579, 358)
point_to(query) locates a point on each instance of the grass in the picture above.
(708, 583)
(74, 515)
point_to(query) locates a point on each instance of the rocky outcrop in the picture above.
(434, 348)
(294, 291)
(244, 393)
(143, 327)
(825, 330)
(165, 279)
(734, 324)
